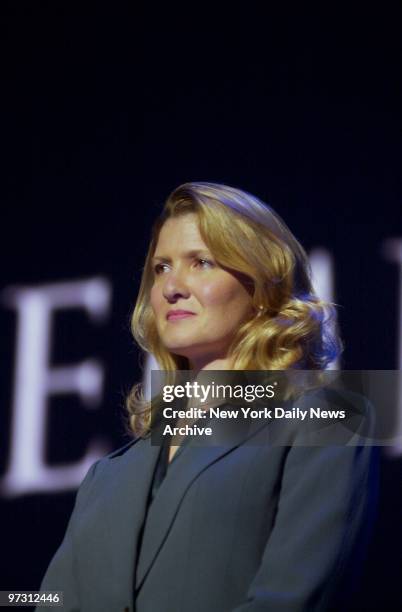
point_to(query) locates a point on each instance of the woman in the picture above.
(244, 526)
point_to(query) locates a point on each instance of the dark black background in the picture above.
(105, 110)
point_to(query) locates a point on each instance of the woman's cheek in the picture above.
(216, 293)
(154, 299)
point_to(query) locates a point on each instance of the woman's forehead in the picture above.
(179, 232)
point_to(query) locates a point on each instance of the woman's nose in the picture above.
(175, 286)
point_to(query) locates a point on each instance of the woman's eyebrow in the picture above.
(185, 255)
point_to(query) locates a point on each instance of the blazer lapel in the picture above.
(178, 479)
(122, 509)
(113, 527)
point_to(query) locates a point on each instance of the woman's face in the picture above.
(198, 306)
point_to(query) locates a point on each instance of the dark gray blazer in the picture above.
(245, 527)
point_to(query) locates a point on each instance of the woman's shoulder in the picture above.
(121, 450)
(101, 468)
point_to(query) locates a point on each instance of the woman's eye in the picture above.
(159, 268)
(204, 262)
(201, 262)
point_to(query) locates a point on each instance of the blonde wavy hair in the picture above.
(290, 328)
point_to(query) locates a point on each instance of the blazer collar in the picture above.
(180, 475)
(123, 506)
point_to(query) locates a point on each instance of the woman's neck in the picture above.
(206, 363)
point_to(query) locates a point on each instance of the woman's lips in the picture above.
(174, 316)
